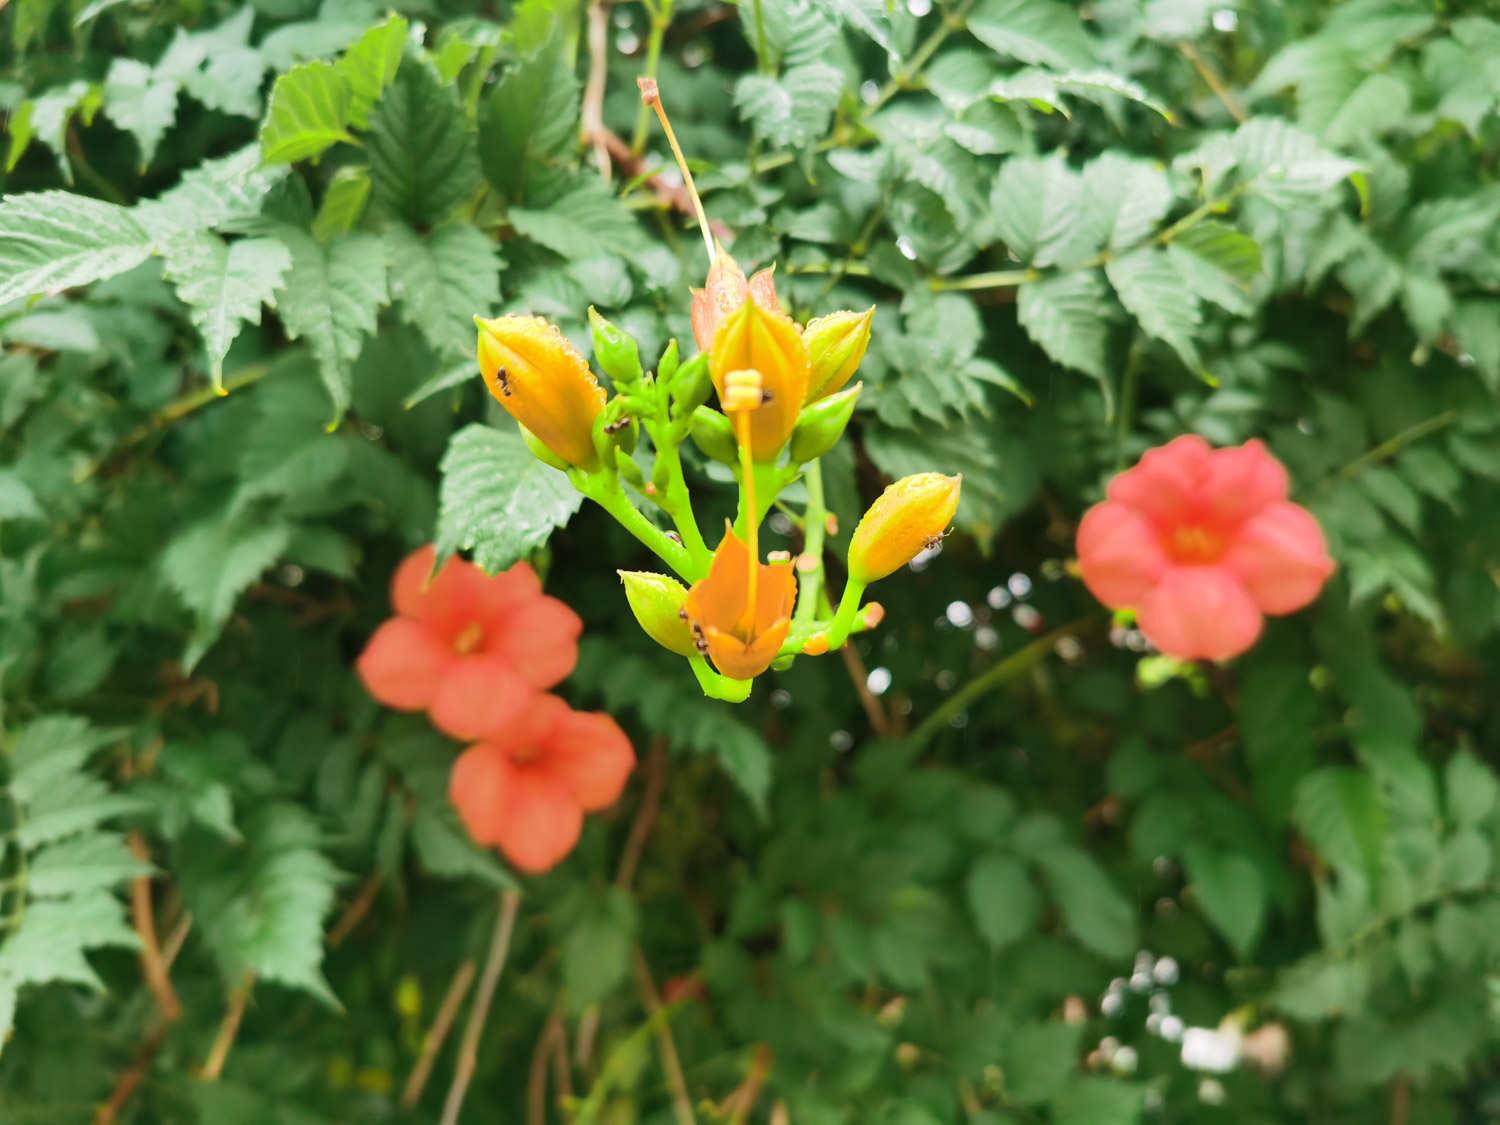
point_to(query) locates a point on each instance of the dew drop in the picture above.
(878, 681)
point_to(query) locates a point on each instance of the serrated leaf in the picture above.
(497, 500)
(369, 65)
(794, 110)
(423, 158)
(53, 240)
(1472, 790)
(333, 296)
(1042, 32)
(343, 203)
(531, 114)
(1003, 900)
(443, 281)
(1380, 102)
(309, 111)
(141, 101)
(581, 224)
(210, 565)
(1092, 908)
(1125, 198)
(89, 862)
(225, 192)
(224, 285)
(1155, 293)
(1034, 206)
(1338, 809)
(1287, 165)
(1231, 891)
(442, 848)
(1065, 315)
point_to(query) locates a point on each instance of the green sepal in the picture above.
(714, 434)
(820, 425)
(616, 350)
(691, 385)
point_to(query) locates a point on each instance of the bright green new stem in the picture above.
(661, 19)
(716, 686)
(606, 492)
(675, 499)
(846, 617)
(815, 527)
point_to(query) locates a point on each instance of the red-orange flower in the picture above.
(1203, 542)
(740, 621)
(525, 788)
(470, 649)
(726, 290)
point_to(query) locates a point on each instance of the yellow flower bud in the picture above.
(753, 338)
(657, 601)
(543, 383)
(836, 344)
(908, 516)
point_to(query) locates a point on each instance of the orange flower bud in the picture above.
(836, 344)
(726, 290)
(543, 383)
(751, 338)
(908, 516)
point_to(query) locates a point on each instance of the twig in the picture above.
(1401, 1099)
(536, 1078)
(432, 1042)
(1212, 80)
(468, 1051)
(591, 112)
(645, 815)
(355, 913)
(175, 940)
(741, 1100)
(880, 722)
(675, 196)
(143, 917)
(671, 1064)
(130, 1080)
(213, 1066)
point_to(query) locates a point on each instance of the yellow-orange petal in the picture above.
(543, 382)
(906, 517)
(768, 342)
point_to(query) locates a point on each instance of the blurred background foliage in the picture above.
(999, 864)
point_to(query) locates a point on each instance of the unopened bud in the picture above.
(753, 339)
(690, 384)
(909, 515)
(714, 435)
(542, 382)
(836, 344)
(822, 423)
(616, 350)
(657, 600)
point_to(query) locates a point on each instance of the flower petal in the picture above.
(538, 639)
(479, 787)
(719, 598)
(1199, 612)
(1240, 482)
(404, 664)
(499, 595)
(1281, 557)
(589, 752)
(775, 594)
(541, 821)
(450, 601)
(1120, 555)
(1164, 485)
(479, 695)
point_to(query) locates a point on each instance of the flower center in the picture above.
(470, 639)
(523, 754)
(1194, 544)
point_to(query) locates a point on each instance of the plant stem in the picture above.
(952, 22)
(677, 501)
(716, 686)
(468, 1052)
(997, 279)
(1390, 447)
(609, 496)
(1012, 667)
(815, 527)
(218, 1054)
(437, 1034)
(661, 19)
(844, 617)
(671, 1063)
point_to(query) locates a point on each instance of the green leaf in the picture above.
(1035, 207)
(1093, 910)
(1286, 165)
(1379, 103)
(1042, 32)
(794, 110)
(260, 904)
(1005, 904)
(224, 285)
(1472, 790)
(17, 500)
(1153, 292)
(93, 861)
(227, 191)
(343, 203)
(581, 224)
(1040, 1060)
(1099, 1101)
(52, 240)
(1231, 891)
(443, 280)
(596, 945)
(443, 848)
(310, 110)
(141, 101)
(1219, 263)
(1065, 315)
(1125, 199)
(369, 65)
(423, 159)
(531, 115)
(1338, 809)
(497, 500)
(333, 295)
(211, 564)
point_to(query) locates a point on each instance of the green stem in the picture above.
(1012, 667)
(998, 279)
(609, 496)
(760, 39)
(845, 618)
(1390, 447)
(952, 22)
(815, 527)
(716, 686)
(676, 500)
(661, 19)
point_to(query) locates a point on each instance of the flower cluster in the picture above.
(1203, 543)
(477, 653)
(784, 400)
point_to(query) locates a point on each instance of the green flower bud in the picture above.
(540, 451)
(666, 367)
(714, 435)
(691, 385)
(656, 600)
(821, 424)
(616, 350)
(836, 344)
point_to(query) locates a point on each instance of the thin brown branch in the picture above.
(671, 1063)
(1401, 1099)
(1212, 80)
(135, 1074)
(645, 815)
(468, 1052)
(536, 1078)
(176, 939)
(143, 917)
(437, 1034)
(239, 996)
(355, 912)
(741, 1101)
(673, 195)
(591, 113)
(859, 676)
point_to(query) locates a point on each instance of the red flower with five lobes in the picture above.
(473, 650)
(1203, 543)
(525, 788)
